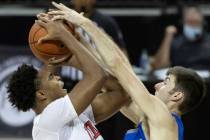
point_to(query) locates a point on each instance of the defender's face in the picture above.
(162, 89)
(51, 84)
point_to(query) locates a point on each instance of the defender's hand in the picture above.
(55, 29)
(65, 13)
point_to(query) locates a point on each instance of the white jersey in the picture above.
(59, 121)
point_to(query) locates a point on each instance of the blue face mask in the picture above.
(192, 33)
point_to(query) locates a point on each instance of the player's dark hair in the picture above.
(22, 87)
(191, 84)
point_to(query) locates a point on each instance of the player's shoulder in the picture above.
(52, 110)
(56, 103)
(41, 134)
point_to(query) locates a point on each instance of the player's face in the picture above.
(163, 89)
(52, 84)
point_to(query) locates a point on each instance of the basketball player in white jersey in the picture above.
(61, 115)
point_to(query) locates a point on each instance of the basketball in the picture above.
(47, 49)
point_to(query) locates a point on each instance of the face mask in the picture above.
(192, 33)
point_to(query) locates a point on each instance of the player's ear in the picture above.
(40, 95)
(177, 96)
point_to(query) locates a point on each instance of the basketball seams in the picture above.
(47, 50)
(34, 35)
(44, 56)
(41, 51)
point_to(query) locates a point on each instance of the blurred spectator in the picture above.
(190, 49)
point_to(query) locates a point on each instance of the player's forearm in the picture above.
(94, 53)
(103, 42)
(136, 89)
(87, 63)
(85, 91)
(107, 50)
(105, 46)
(91, 50)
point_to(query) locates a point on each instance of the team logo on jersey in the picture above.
(92, 131)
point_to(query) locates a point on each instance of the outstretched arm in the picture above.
(114, 94)
(117, 98)
(85, 91)
(153, 108)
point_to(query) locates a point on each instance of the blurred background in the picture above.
(153, 33)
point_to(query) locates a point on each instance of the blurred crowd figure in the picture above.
(190, 49)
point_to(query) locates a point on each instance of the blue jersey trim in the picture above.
(180, 125)
(138, 134)
(141, 131)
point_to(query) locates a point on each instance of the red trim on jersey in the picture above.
(91, 130)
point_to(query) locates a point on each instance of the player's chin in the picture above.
(61, 84)
(64, 91)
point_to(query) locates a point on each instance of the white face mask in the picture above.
(192, 33)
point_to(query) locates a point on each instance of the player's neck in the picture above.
(176, 111)
(173, 108)
(40, 107)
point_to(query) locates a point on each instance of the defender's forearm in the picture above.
(136, 89)
(121, 70)
(87, 63)
(94, 54)
(104, 44)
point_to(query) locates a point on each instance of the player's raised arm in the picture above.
(77, 19)
(85, 91)
(152, 107)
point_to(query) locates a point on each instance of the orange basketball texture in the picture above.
(48, 49)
